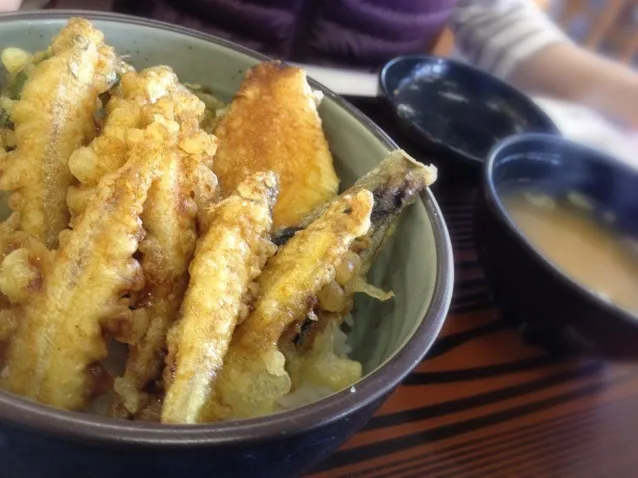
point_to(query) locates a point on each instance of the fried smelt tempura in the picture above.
(60, 335)
(23, 260)
(395, 183)
(253, 378)
(312, 356)
(227, 260)
(54, 117)
(273, 125)
(107, 152)
(167, 249)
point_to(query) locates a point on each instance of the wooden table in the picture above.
(485, 404)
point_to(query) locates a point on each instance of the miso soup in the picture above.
(586, 249)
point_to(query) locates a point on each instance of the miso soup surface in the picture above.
(587, 250)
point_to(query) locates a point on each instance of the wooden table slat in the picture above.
(483, 403)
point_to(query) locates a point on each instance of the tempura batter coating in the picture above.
(236, 330)
(54, 117)
(23, 260)
(169, 220)
(60, 335)
(227, 260)
(273, 125)
(312, 359)
(108, 151)
(395, 183)
(253, 378)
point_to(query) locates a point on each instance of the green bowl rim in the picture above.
(97, 429)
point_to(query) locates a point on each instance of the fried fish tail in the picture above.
(312, 356)
(395, 183)
(53, 117)
(227, 260)
(253, 378)
(169, 220)
(60, 336)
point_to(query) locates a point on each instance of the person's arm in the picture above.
(516, 41)
(9, 5)
(569, 72)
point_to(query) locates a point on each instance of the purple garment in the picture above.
(371, 32)
(356, 33)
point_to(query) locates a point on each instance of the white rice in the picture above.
(308, 392)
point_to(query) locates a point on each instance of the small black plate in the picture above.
(453, 108)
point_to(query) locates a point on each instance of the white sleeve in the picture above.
(496, 35)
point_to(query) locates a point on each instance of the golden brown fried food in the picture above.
(23, 259)
(22, 268)
(396, 182)
(188, 110)
(322, 364)
(7, 140)
(107, 152)
(253, 378)
(312, 357)
(227, 260)
(273, 125)
(169, 219)
(59, 337)
(19, 66)
(206, 193)
(134, 180)
(54, 117)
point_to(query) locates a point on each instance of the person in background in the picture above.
(9, 5)
(512, 39)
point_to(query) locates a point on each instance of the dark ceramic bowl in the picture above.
(455, 109)
(563, 315)
(390, 339)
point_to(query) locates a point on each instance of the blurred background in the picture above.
(609, 27)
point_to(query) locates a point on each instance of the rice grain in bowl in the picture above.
(389, 339)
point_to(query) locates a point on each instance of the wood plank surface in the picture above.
(484, 403)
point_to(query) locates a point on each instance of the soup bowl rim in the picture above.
(504, 90)
(493, 198)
